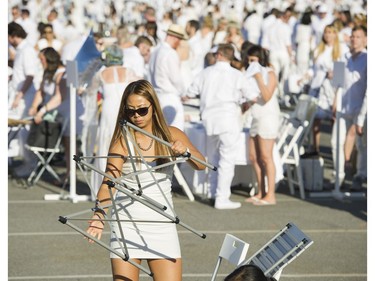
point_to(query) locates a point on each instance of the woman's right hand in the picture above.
(96, 226)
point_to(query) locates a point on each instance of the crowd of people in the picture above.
(242, 60)
(273, 50)
(171, 43)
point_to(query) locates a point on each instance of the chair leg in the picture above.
(290, 179)
(300, 181)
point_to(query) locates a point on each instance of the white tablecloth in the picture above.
(197, 180)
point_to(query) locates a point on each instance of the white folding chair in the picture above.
(45, 149)
(288, 145)
(233, 249)
(305, 110)
(280, 251)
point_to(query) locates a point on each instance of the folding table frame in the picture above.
(135, 194)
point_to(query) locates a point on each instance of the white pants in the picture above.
(173, 110)
(281, 63)
(361, 145)
(221, 152)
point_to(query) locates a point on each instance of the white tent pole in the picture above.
(72, 141)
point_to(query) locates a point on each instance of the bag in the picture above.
(44, 135)
(312, 172)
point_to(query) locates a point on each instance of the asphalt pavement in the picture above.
(40, 247)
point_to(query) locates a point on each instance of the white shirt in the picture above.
(196, 54)
(355, 84)
(31, 29)
(278, 37)
(26, 63)
(222, 89)
(133, 59)
(253, 26)
(164, 70)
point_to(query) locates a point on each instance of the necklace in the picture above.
(148, 148)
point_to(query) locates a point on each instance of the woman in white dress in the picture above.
(264, 127)
(326, 53)
(148, 235)
(112, 79)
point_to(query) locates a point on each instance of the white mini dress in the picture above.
(265, 116)
(148, 234)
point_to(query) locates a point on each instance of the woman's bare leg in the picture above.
(166, 269)
(266, 157)
(124, 271)
(258, 171)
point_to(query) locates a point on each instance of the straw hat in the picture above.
(177, 31)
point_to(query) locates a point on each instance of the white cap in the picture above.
(322, 8)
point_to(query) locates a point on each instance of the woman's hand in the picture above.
(33, 110)
(178, 148)
(96, 226)
(17, 99)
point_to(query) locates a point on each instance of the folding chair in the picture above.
(44, 141)
(233, 249)
(288, 145)
(305, 110)
(280, 251)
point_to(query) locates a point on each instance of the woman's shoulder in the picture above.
(176, 132)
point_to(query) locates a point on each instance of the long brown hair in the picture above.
(160, 128)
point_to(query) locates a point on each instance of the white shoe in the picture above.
(226, 204)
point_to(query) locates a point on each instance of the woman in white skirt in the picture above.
(264, 127)
(148, 235)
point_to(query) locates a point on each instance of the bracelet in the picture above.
(100, 218)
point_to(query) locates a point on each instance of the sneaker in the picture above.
(226, 204)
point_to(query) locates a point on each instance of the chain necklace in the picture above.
(147, 148)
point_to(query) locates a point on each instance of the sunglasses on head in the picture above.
(140, 111)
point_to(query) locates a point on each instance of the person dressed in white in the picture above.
(353, 95)
(304, 43)
(113, 79)
(136, 57)
(165, 76)
(25, 69)
(278, 40)
(320, 20)
(264, 127)
(222, 88)
(30, 26)
(327, 52)
(196, 51)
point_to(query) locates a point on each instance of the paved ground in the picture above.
(41, 248)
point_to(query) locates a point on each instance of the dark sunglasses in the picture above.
(143, 111)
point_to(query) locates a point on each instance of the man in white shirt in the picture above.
(25, 69)
(278, 40)
(136, 57)
(222, 89)
(196, 57)
(353, 96)
(165, 76)
(30, 26)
